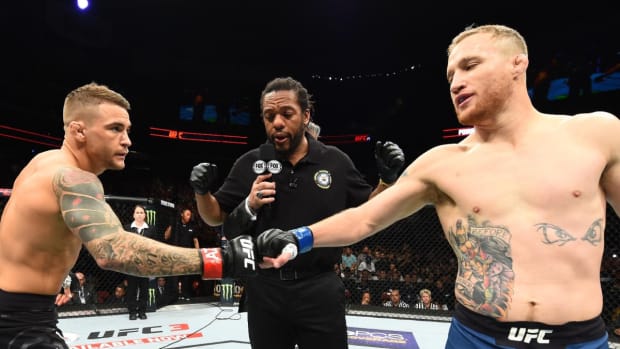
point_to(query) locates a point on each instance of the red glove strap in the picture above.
(211, 260)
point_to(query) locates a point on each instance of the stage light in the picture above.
(82, 4)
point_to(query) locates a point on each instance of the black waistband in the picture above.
(288, 273)
(568, 333)
(11, 302)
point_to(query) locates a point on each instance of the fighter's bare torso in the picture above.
(526, 219)
(37, 249)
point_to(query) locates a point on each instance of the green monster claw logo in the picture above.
(150, 217)
(151, 299)
(227, 291)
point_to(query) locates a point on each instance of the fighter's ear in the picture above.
(76, 129)
(520, 63)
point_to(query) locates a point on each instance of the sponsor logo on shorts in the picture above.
(527, 335)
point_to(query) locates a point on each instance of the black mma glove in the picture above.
(239, 221)
(390, 160)
(272, 242)
(203, 177)
(235, 260)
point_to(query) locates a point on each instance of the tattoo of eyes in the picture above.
(594, 234)
(554, 235)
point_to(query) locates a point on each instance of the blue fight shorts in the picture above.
(470, 330)
(29, 321)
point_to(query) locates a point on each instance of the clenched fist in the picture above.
(203, 177)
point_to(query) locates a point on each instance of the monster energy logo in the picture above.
(151, 299)
(226, 291)
(150, 217)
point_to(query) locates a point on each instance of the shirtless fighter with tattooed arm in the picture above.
(57, 205)
(522, 201)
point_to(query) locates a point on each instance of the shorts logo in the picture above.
(323, 179)
(526, 335)
(150, 217)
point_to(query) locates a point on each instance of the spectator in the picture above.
(409, 289)
(395, 301)
(118, 296)
(65, 295)
(444, 296)
(164, 295)
(364, 253)
(349, 260)
(84, 292)
(347, 274)
(183, 232)
(137, 286)
(366, 298)
(367, 264)
(426, 300)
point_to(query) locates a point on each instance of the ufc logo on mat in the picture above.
(248, 249)
(526, 335)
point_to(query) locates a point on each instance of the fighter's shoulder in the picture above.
(597, 124)
(53, 164)
(582, 119)
(443, 151)
(436, 159)
(74, 179)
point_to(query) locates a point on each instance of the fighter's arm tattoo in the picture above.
(85, 212)
(83, 206)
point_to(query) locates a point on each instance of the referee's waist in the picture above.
(293, 273)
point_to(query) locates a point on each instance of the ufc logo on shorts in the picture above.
(526, 335)
(248, 248)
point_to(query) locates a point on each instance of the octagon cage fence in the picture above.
(410, 255)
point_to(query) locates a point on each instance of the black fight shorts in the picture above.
(28, 321)
(475, 331)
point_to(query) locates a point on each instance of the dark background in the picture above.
(390, 55)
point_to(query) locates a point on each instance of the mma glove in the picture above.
(390, 160)
(203, 178)
(234, 260)
(272, 242)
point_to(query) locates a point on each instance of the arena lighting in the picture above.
(197, 136)
(345, 139)
(82, 4)
(459, 132)
(29, 136)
